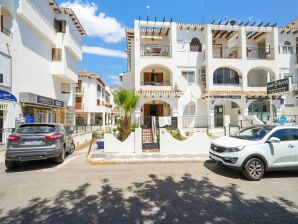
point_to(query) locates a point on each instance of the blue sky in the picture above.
(105, 21)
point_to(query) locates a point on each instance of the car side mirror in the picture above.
(273, 140)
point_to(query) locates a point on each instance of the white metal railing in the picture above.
(156, 50)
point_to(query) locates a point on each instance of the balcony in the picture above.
(35, 18)
(226, 52)
(62, 72)
(160, 50)
(165, 83)
(260, 53)
(73, 45)
(79, 90)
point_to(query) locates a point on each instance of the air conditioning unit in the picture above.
(294, 87)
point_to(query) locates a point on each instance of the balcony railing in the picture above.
(256, 85)
(156, 50)
(260, 53)
(165, 83)
(7, 32)
(226, 84)
(79, 90)
(226, 52)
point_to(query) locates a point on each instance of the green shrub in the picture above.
(176, 134)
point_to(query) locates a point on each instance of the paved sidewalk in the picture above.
(98, 157)
(2, 156)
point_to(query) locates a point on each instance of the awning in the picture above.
(7, 96)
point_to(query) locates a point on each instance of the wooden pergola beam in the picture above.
(216, 33)
(257, 36)
(246, 24)
(267, 24)
(167, 31)
(229, 34)
(223, 33)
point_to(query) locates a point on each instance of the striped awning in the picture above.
(234, 93)
(152, 93)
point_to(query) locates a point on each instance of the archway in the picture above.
(258, 77)
(226, 107)
(226, 76)
(261, 108)
(156, 75)
(156, 109)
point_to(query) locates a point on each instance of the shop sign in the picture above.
(227, 97)
(29, 119)
(279, 86)
(4, 95)
(48, 101)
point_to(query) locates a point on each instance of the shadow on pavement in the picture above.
(155, 200)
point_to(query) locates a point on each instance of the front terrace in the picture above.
(155, 39)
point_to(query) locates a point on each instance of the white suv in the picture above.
(257, 149)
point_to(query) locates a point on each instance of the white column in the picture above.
(208, 53)
(243, 43)
(103, 119)
(88, 118)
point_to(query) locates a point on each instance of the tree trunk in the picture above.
(126, 127)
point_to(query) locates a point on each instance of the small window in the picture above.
(98, 88)
(65, 88)
(56, 54)
(189, 76)
(60, 26)
(1, 78)
(287, 48)
(98, 102)
(283, 134)
(195, 45)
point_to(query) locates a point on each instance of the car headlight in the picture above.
(234, 149)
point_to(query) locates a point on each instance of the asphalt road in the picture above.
(201, 192)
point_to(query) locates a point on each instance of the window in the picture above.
(189, 76)
(180, 45)
(225, 76)
(190, 109)
(98, 102)
(195, 45)
(98, 88)
(283, 134)
(65, 88)
(60, 26)
(1, 78)
(252, 133)
(56, 54)
(287, 48)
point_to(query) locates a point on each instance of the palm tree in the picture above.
(126, 101)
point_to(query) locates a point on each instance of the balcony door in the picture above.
(153, 78)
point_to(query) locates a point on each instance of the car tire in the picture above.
(61, 158)
(10, 164)
(72, 148)
(254, 169)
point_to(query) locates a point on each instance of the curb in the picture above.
(96, 162)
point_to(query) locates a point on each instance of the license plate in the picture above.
(33, 142)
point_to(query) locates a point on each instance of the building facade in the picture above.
(210, 74)
(94, 101)
(40, 47)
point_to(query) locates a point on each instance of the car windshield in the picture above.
(35, 129)
(252, 133)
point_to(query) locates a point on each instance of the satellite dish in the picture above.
(181, 83)
(195, 91)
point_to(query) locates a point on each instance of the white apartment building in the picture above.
(210, 74)
(40, 47)
(94, 101)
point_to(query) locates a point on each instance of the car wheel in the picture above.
(254, 169)
(10, 164)
(61, 158)
(72, 148)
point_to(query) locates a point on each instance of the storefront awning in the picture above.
(7, 96)
(31, 98)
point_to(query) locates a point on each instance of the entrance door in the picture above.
(1, 124)
(218, 116)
